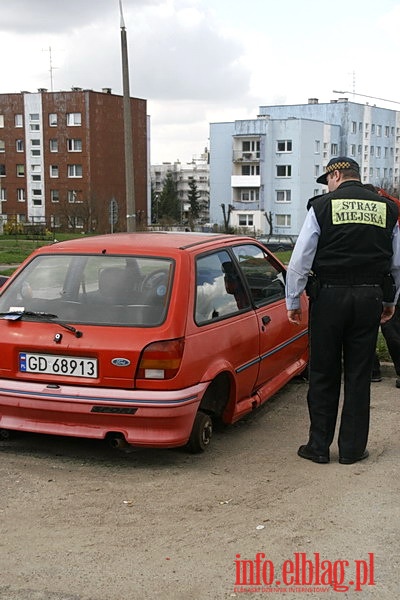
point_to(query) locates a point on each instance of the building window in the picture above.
(74, 145)
(18, 120)
(2, 170)
(283, 170)
(36, 178)
(283, 220)
(19, 145)
(352, 150)
(3, 194)
(37, 202)
(74, 170)
(379, 130)
(52, 119)
(55, 220)
(55, 195)
(387, 130)
(74, 119)
(334, 149)
(53, 145)
(317, 146)
(53, 170)
(372, 151)
(75, 222)
(2, 146)
(283, 196)
(35, 152)
(372, 128)
(249, 195)
(20, 170)
(284, 145)
(34, 127)
(73, 196)
(353, 127)
(1, 120)
(36, 192)
(21, 195)
(378, 151)
(250, 169)
(245, 220)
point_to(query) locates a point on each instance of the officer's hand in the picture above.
(387, 313)
(294, 316)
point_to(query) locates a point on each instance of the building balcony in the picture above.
(245, 181)
(240, 156)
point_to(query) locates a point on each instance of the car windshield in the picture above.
(107, 290)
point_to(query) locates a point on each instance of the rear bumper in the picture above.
(144, 418)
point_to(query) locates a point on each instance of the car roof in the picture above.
(121, 243)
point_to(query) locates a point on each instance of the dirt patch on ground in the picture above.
(80, 521)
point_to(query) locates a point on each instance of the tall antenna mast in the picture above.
(51, 68)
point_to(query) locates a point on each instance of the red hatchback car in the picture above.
(144, 338)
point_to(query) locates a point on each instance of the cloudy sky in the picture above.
(202, 61)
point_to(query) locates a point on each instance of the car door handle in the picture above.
(266, 320)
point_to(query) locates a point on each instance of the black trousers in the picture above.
(391, 333)
(344, 323)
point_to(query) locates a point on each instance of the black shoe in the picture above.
(376, 377)
(398, 382)
(350, 461)
(305, 452)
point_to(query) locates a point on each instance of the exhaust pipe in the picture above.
(117, 441)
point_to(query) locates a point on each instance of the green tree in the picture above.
(168, 204)
(194, 205)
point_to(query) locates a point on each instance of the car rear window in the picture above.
(109, 290)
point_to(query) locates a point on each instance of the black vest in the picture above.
(356, 234)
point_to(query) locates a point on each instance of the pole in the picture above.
(128, 142)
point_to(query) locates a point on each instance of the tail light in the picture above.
(161, 360)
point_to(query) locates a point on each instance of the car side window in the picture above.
(265, 279)
(219, 288)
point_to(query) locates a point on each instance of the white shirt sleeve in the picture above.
(302, 259)
(395, 266)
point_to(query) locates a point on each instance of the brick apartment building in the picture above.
(62, 161)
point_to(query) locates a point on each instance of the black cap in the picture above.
(337, 164)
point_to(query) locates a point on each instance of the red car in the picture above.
(144, 338)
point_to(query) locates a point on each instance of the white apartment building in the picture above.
(198, 171)
(265, 169)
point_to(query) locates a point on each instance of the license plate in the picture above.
(53, 364)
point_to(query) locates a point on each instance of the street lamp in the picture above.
(365, 96)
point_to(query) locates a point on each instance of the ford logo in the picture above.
(121, 362)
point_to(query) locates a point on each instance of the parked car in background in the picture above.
(145, 338)
(278, 243)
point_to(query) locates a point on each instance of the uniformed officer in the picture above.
(350, 240)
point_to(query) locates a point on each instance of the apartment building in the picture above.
(263, 170)
(62, 159)
(196, 171)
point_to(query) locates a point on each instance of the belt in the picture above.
(350, 285)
